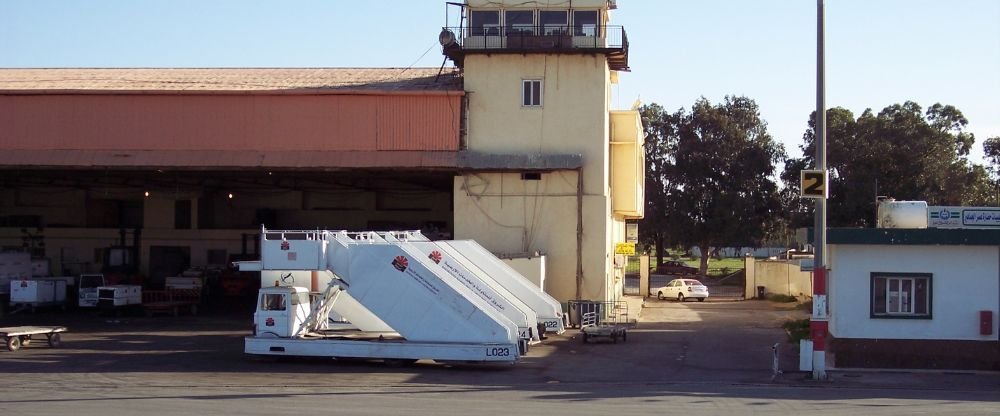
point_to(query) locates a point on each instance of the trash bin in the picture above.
(761, 292)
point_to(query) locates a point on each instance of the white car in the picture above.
(681, 289)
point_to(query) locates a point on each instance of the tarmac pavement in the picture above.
(770, 315)
(713, 344)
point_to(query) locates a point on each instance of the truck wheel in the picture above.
(614, 338)
(13, 343)
(55, 340)
(624, 336)
(585, 338)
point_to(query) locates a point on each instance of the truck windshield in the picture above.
(272, 302)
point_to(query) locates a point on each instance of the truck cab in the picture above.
(87, 289)
(281, 311)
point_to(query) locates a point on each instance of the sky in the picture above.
(878, 52)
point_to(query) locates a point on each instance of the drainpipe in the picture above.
(579, 233)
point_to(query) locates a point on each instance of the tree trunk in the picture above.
(659, 249)
(706, 254)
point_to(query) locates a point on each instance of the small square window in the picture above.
(531, 93)
(901, 295)
(531, 176)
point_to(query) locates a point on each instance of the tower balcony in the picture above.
(457, 42)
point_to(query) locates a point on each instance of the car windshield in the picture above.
(693, 283)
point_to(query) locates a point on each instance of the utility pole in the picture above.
(819, 323)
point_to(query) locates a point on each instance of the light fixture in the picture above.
(230, 195)
(146, 194)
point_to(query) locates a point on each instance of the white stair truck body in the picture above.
(412, 294)
(345, 309)
(547, 309)
(486, 288)
(431, 315)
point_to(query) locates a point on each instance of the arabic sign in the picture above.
(962, 217)
(627, 249)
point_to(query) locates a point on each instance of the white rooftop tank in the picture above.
(902, 214)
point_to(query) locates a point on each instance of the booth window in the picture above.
(901, 295)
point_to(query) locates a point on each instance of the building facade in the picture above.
(151, 171)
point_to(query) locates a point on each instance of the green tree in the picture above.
(659, 129)
(902, 152)
(710, 176)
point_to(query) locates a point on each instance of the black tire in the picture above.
(624, 335)
(701, 299)
(55, 340)
(585, 338)
(680, 297)
(13, 343)
(659, 295)
(614, 338)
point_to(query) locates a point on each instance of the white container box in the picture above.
(119, 295)
(37, 291)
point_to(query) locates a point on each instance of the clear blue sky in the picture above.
(879, 52)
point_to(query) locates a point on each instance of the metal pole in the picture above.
(819, 323)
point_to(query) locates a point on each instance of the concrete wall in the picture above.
(965, 280)
(778, 277)
(532, 268)
(507, 214)
(573, 119)
(733, 252)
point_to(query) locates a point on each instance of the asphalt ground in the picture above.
(716, 341)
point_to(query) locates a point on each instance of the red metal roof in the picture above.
(53, 80)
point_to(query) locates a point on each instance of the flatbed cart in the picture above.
(17, 336)
(593, 327)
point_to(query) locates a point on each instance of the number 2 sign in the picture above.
(813, 184)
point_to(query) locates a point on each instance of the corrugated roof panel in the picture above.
(229, 79)
(418, 122)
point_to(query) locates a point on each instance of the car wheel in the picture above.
(701, 299)
(659, 295)
(680, 297)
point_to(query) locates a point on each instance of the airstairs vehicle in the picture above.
(404, 298)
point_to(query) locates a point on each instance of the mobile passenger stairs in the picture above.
(397, 297)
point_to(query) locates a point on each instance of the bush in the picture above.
(797, 330)
(776, 297)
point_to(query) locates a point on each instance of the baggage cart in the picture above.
(17, 336)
